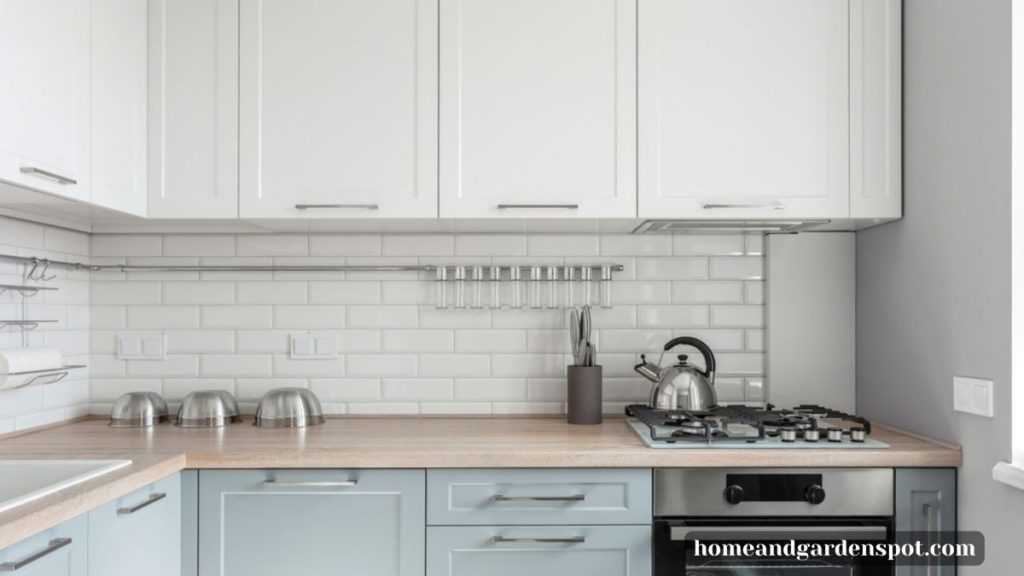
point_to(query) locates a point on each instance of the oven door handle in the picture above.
(760, 533)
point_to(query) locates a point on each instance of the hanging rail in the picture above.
(47, 263)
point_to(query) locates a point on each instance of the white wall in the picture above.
(933, 291)
(230, 330)
(40, 405)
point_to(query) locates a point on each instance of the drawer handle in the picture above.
(47, 174)
(774, 205)
(528, 206)
(311, 484)
(353, 206)
(573, 498)
(53, 546)
(153, 499)
(570, 540)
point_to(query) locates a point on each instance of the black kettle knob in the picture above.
(733, 494)
(814, 494)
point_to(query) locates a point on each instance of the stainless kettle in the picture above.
(681, 386)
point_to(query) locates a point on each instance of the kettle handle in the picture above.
(705, 351)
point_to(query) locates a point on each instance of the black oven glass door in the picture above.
(674, 553)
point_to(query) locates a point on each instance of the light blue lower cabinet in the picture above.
(59, 551)
(311, 522)
(139, 533)
(538, 550)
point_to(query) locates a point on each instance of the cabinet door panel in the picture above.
(743, 108)
(139, 533)
(53, 556)
(193, 108)
(118, 84)
(306, 524)
(538, 108)
(597, 551)
(44, 95)
(338, 108)
(926, 504)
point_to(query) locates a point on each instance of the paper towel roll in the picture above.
(14, 360)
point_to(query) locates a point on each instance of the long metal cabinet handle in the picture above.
(311, 484)
(569, 540)
(573, 498)
(726, 205)
(352, 206)
(53, 546)
(517, 206)
(823, 533)
(47, 174)
(153, 499)
(930, 528)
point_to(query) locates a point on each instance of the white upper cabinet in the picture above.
(118, 142)
(744, 108)
(193, 108)
(538, 108)
(876, 103)
(338, 108)
(44, 95)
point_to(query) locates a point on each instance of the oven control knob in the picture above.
(733, 494)
(814, 494)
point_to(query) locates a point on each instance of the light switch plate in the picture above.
(973, 396)
(142, 347)
(307, 347)
(303, 346)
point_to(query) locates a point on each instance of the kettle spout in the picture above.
(647, 370)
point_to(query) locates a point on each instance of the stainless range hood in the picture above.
(779, 226)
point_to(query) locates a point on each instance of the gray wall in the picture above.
(933, 290)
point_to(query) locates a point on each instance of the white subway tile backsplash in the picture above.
(383, 317)
(198, 293)
(321, 317)
(418, 389)
(709, 292)
(418, 341)
(490, 341)
(743, 268)
(674, 316)
(708, 244)
(490, 389)
(455, 365)
(240, 317)
(162, 317)
(674, 268)
(381, 365)
(272, 245)
(397, 353)
(279, 292)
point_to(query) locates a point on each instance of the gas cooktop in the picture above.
(740, 426)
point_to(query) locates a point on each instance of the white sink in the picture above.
(22, 481)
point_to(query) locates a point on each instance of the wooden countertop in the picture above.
(397, 442)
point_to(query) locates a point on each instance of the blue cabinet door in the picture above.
(139, 533)
(311, 522)
(539, 551)
(59, 551)
(926, 504)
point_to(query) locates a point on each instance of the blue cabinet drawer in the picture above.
(510, 497)
(539, 550)
(139, 533)
(311, 522)
(59, 551)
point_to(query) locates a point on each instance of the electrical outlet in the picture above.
(306, 347)
(973, 396)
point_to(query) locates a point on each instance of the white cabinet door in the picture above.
(538, 108)
(193, 108)
(44, 95)
(743, 108)
(118, 150)
(876, 105)
(338, 108)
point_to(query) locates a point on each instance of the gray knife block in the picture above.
(584, 395)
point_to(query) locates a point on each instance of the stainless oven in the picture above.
(771, 522)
